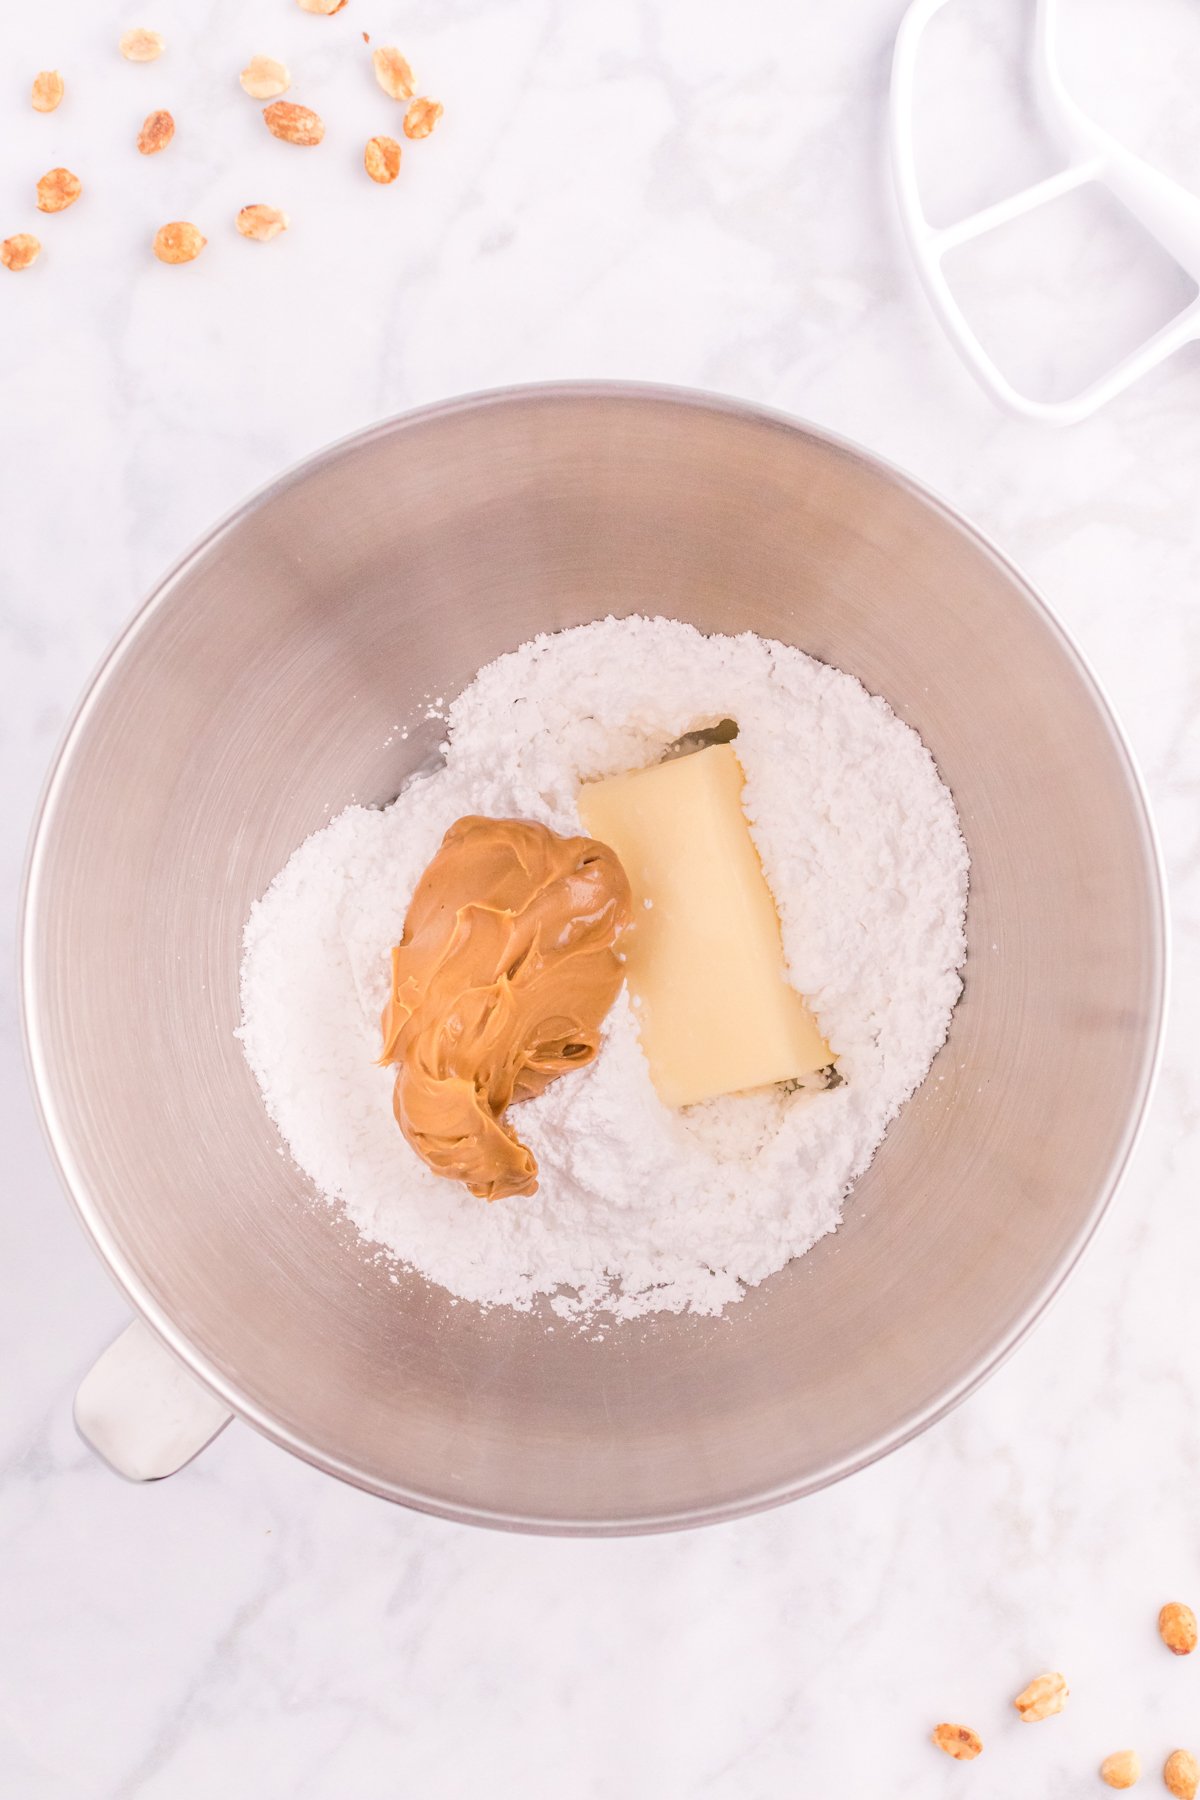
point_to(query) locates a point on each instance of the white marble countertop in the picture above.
(651, 189)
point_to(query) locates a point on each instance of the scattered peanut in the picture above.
(261, 222)
(1122, 1769)
(393, 73)
(178, 242)
(156, 133)
(382, 159)
(421, 118)
(294, 124)
(139, 45)
(1177, 1628)
(263, 78)
(1181, 1772)
(1044, 1697)
(18, 252)
(57, 190)
(48, 90)
(958, 1741)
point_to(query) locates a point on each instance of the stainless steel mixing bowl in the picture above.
(257, 693)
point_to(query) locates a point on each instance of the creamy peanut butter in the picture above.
(500, 984)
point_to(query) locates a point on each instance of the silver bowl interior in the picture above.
(257, 693)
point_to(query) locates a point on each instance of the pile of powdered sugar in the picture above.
(640, 1208)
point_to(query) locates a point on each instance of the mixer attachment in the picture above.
(1167, 211)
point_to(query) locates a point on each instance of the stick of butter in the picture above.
(704, 957)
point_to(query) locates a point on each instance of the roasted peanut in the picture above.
(421, 118)
(1122, 1769)
(958, 1741)
(57, 190)
(264, 79)
(1044, 1697)
(1181, 1773)
(294, 124)
(261, 222)
(393, 73)
(18, 252)
(178, 242)
(156, 133)
(142, 46)
(1177, 1628)
(382, 159)
(48, 90)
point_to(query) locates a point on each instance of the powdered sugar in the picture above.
(639, 1208)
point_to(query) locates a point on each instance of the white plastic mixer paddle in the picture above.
(1168, 211)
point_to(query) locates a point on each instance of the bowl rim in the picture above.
(90, 1211)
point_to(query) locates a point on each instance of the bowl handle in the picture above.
(142, 1412)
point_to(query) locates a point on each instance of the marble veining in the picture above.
(661, 190)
